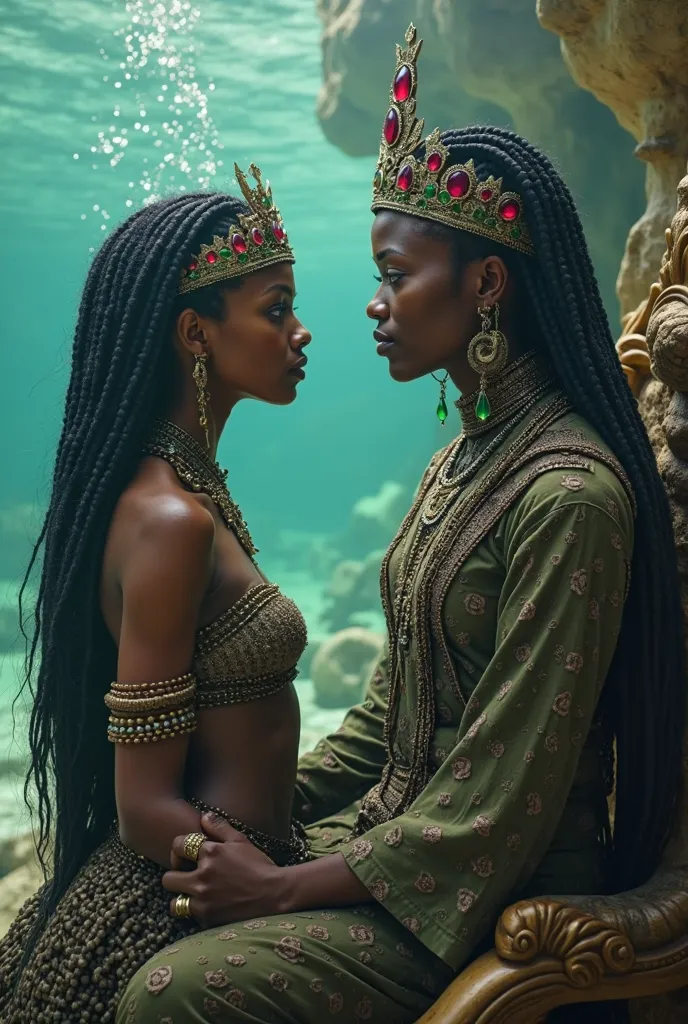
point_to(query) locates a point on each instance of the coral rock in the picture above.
(343, 665)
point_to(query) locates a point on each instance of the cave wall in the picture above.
(633, 55)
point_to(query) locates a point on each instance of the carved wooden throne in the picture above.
(554, 951)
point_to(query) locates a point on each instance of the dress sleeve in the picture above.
(347, 763)
(470, 841)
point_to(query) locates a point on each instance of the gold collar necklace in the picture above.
(521, 383)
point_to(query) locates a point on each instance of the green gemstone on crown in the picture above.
(444, 197)
(225, 253)
(267, 201)
(430, 191)
(482, 407)
(421, 203)
(479, 214)
(457, 207)
(243, 257)
(490, 222)
(377, 180)
(194, 275)
(516, 233)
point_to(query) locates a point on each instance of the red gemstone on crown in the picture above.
(486, 195)
(211, 257)
(458, 184)
(257, 236)
(391, 128)
(509, 209)
(405, 178)
(278, 231)
(434, 162)
(239, 244)
(401, 90)
(193, 265)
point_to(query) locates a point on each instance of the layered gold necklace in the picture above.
(194, 467)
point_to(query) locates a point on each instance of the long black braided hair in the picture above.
(558, 295)
(124, 372)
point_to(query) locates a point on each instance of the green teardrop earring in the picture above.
(442, 412)
(488, 353)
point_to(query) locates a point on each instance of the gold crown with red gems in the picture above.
(430, 188)
(258, 240)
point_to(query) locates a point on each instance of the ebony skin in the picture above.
(171, 566)
(429, 312)
(427, 309)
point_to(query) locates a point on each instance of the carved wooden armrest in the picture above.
(552, 952)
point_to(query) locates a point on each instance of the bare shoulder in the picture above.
(156, 518)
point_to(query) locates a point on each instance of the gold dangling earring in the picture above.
(200, 376)
(488, 353)
(441, 410)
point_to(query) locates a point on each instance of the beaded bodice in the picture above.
(251, 650)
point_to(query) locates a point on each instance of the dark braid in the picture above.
(123, 374)
(644, 695)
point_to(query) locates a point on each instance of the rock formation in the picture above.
(633, 55)
(375, 519)
(354, 588)
(343, 665)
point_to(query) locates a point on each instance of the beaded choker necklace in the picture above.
(194, 467)
(521, 383)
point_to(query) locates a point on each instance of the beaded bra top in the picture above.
(251, 650)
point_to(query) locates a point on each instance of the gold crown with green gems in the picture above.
(256, 241)
(432, 187)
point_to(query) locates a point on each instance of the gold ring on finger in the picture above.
(192, 845)
(182, 906)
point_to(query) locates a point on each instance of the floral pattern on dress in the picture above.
(474, 604)
(579, 581)
(158, 979)
(462, 768)
(483, 824)
(432, 833)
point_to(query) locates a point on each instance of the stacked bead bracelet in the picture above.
(148, 712)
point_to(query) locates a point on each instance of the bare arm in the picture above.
(163, 581)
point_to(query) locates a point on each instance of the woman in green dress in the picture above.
(534, 621)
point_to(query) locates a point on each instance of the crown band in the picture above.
(432, 188)
(256, 241)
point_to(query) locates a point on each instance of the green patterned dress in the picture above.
(476, 770)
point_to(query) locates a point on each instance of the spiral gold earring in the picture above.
(200, 376)
(488, 353)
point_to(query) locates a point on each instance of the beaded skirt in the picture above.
(112, 919)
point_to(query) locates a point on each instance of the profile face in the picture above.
(425, 307)
(256, 349)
